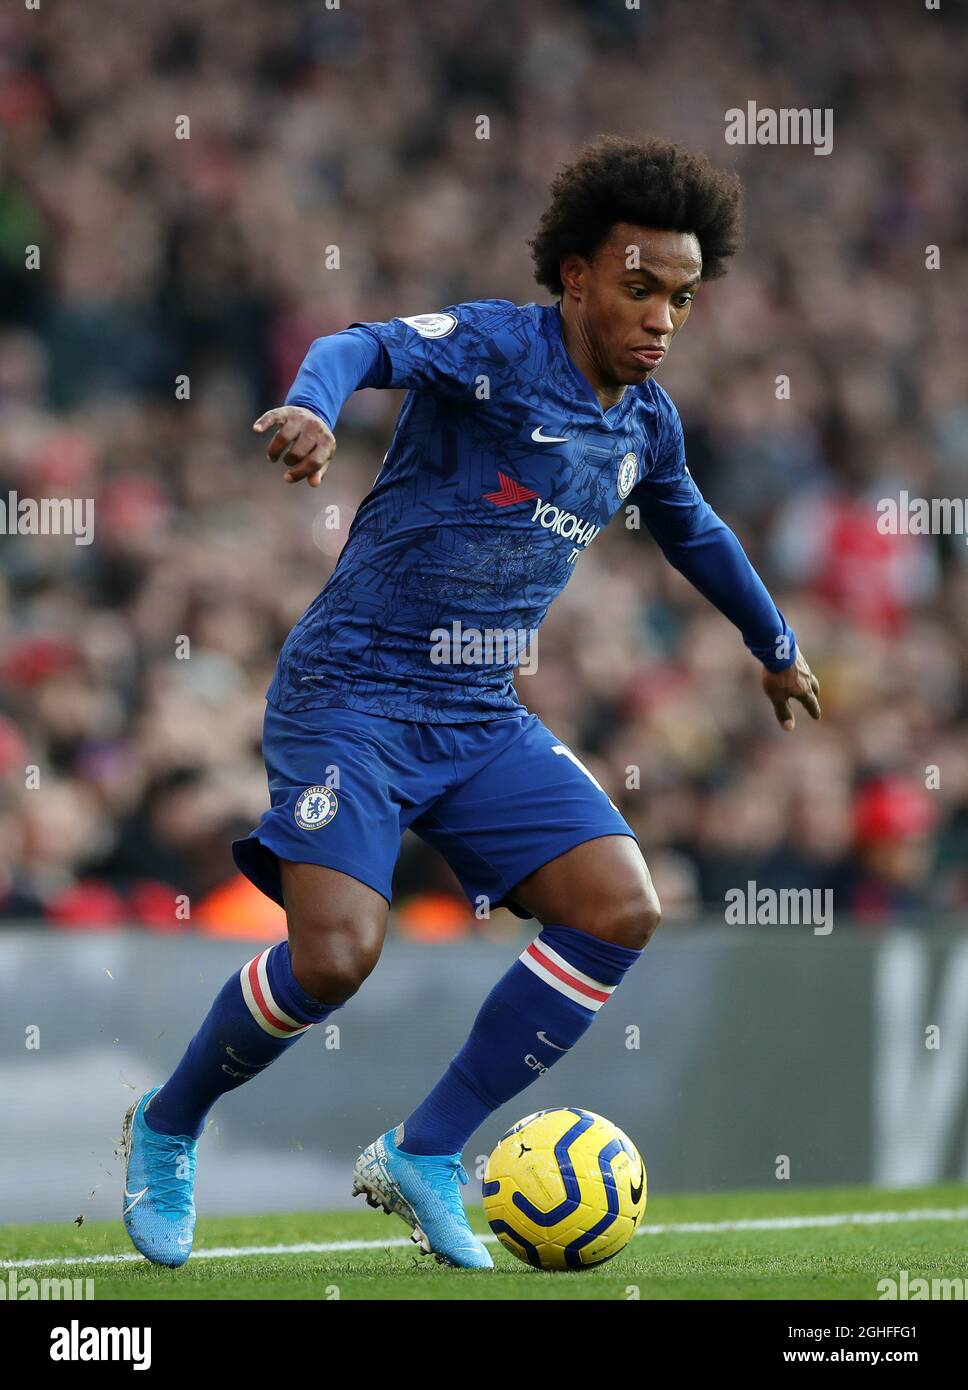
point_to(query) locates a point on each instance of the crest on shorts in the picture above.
(315, 808)
(628, 471)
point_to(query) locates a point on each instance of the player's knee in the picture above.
(650, 916)
(331, 964)
(632, 920)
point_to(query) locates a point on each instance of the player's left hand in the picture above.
(797, 682)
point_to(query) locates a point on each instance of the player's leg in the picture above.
(522, 801)
(549, 997)
(535, 1013)
(336, 929)
(534, 818)
(328, 859)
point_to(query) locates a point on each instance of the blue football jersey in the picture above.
(502, 470)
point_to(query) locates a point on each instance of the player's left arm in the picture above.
(700, 545)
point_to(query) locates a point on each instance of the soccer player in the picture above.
(524, 430)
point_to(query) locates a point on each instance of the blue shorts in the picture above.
(498, 799)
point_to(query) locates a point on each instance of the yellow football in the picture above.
(564, 1189)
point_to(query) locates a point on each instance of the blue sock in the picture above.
(530, 1019)
(258, 1015)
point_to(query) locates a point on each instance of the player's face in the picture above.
(632, 298)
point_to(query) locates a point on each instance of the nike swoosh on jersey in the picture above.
(137, 1198)
(540, 438)
(545, 1039)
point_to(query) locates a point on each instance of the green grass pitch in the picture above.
(923, 1231)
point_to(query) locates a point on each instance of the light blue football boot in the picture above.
(159, 1183)
(422, 1190)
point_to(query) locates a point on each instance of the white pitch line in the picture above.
(796, 1223)
(333, 1247)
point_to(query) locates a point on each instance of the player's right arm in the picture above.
(443, 352)
(333, 369)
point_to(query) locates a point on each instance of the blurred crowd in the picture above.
(180, 281)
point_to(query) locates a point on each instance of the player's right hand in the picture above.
(302, 441)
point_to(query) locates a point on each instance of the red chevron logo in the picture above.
(509, 492)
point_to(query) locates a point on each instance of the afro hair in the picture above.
(648, 183)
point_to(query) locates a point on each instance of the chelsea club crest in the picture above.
(627, 472)
(315, 808)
